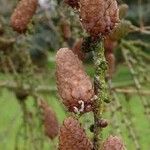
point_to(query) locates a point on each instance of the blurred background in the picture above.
(27, 73)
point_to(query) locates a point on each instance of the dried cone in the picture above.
(73, 137)
(72, 3)
(74, 85)
(113, 143)
(99, 17)
(65, 29)
(77, 49)
(23, 14)
(51, 125)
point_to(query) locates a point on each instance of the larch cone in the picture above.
(23, 14)
(73, 137)
(51, 125)
(99, 17)
(113, 143)
(74, 85)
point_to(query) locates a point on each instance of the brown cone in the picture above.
(109, 44)
(72, 3)
(110, 58)
(113, 143)
(77, 49)
(23, 14)
(65, 29)
(73, 137)
(51, 124)
(74, 85)
(99, 17)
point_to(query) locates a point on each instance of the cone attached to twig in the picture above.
(23, 14)
(113, 143)
(51, 124)
(99, 17)
(73, 137)
(74, 85)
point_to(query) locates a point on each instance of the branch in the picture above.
(101, 92)
(132, 91)
(11, 85)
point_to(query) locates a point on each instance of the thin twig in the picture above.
(132, 91)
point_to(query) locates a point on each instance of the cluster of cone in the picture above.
(110, 40)
(73, 137)
(74, 86)
(98, 18)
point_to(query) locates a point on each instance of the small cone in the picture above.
(77, 49)
(99, 17)
(110, 58)
(113, 143)
(74, 85)
(65, 29)
(109, 44)
(51, 125)
(73, 137)
(23, 14)
(72, 3)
